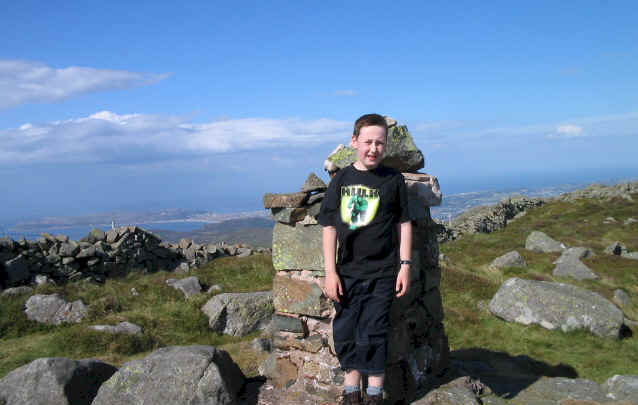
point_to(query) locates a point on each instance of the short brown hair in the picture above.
(369, 120)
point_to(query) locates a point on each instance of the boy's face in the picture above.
(370, 146)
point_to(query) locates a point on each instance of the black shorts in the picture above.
(362, 323)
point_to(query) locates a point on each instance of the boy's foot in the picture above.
(374, 400)
(353, 398)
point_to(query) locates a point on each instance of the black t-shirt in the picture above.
(365, 207)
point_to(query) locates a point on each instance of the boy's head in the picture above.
(369, 139)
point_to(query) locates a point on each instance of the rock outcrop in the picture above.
(623, 190)
(239, 314)
(509, 259)
(189, 286)
(54, 310)
(54, 381)
(539, 242)
(556, 306)
(569, 264)
(175, 375)
(102, 254)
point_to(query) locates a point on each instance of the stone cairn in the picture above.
(100, 255)
(303, 362)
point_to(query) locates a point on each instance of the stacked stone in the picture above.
(102, 254)
(303, 360)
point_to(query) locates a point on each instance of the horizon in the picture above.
(136, 106)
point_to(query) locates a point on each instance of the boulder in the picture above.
(616, 248)
(401, 153)
(558, 390)
(244, 252)
(291, 200)
(622, 299)
(16, 291)
(15, 271)
(297, 247)
(55, 381)
(288, 215)
(630, 255)
(313, 183)
(288, 324)
(539, 242)
(315, 198)
(296, 296)
(630, 221)
(122, 327)
(175, 375)
(622, 387)
(457, 392)
(96, 235)
(189, 286)
(69, 248)
(556, 306)
(239, 314)
(509, 259)
(569, 264)
(53, 310)
(424, 188)
(43, 279)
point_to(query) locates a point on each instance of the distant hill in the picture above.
(256, 232)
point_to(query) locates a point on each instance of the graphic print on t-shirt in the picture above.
(359, 205)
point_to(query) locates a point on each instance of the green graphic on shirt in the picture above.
(359, 205)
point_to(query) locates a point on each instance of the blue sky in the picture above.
(208, 105)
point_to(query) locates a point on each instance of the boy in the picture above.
(365, 208)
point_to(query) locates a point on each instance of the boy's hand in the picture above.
(403, 281)
(333, 287)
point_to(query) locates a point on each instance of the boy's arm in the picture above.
(333, 287)
(405, 253)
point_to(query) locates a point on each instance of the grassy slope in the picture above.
(467, 280)
(166, 317)
(169, 319)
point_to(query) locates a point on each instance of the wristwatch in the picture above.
(402, 262)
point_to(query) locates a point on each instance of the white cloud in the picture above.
(569, 130)
(25, 82)
(138, 138)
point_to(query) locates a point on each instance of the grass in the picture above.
(166, 317)
(467, 281)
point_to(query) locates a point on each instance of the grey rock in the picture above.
(93, 262)
(190, 253)
(214, 288)
(55, 381)
(244, 252)
(53, 310)
(556, 306)
(122, 327)
(96, 235)
(509, 259)
(630, 221)
(622, 387)
(185, 243)
(48, 237)
(456, 392)
(552, 391)
(112, 236)
(86, 252)
(69, 249)
(313, 183)
(297, 247)
(189, 286)
(239, 314)
(539, 242)
(291, 200)
(622, 299)
(15, 271)
(401, 153)
(42, 279)
(16, 291)
(62, 238)
(630, 255)
(175, 375)
(67, 260)
(261, 344)
(313, 210)
(622, 190)
(288, 324)
(288, 215)
(569, 264)
(616, 248)
(609, 220)
(315, 198)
